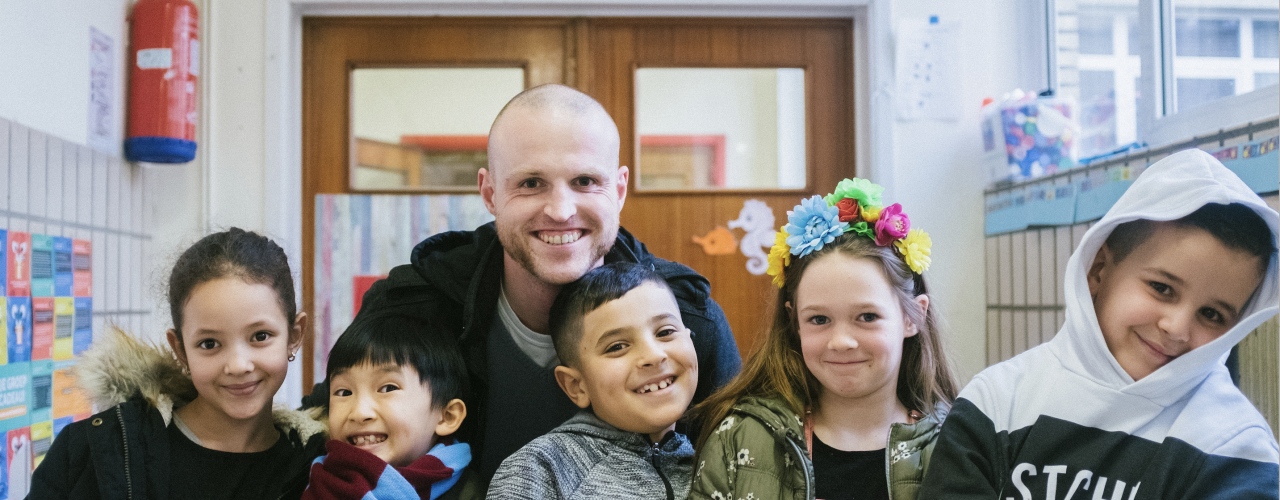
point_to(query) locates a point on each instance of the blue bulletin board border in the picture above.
(1086, 194)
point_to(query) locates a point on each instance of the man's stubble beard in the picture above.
(523, 255)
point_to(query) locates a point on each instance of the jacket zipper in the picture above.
(888, 452)
(124, 433)
(808, 475)
(653, 460)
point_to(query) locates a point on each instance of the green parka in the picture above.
(759, 452)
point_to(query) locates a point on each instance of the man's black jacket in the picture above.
(453, 281)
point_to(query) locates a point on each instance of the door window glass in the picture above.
(424, 128)
(720, 128)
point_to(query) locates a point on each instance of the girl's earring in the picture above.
(185, 369)
(291, 357)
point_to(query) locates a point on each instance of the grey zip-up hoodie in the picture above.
(587, 458)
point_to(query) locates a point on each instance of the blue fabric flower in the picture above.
(811, 225)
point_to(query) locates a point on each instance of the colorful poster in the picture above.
(19, 325)
(15, 396)
(4, 470)
(62, 272)
(82, 268)
(42, 327)
(18, 448)
(4, 264)
(61, 423)
(19, 263)
(64, 323)
(41, 440)
(68, 399)
(41, 391)
(41, 265)
(83, 326)
(4, 330)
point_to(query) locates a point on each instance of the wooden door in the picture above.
(598, 56)
(333, 47)
(667, 221)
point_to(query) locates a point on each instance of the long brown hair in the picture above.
(776, 370)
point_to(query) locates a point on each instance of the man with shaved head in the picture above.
(555, 188)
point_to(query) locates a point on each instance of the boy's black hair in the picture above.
(404, 341)
(602, 284)
(1237, 226)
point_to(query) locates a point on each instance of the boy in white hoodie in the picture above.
(1131, 399)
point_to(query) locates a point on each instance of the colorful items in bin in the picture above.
(1039, 136)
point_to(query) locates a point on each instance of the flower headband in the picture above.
(854, 206)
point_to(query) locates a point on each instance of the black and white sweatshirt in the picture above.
(1064, 421)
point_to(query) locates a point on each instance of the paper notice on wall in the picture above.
(102, 112)
(927, 70)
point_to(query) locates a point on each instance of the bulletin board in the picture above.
(359, 238)
(47, 313)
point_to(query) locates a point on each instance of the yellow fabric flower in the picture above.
(871, 214)
(914, 248)
(779, 258)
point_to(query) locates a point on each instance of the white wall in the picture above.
(44, 63)
(44, 95)
(937, 174)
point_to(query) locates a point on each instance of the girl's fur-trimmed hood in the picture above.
(119, 366)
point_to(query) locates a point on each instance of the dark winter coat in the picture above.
(453, 281)
(123, 452)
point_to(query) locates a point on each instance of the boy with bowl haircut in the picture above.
(395, 398)
(1131, 399)
(628, 361)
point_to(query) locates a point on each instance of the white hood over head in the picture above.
(1172, 188)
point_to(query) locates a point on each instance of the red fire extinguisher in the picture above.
(165, 62)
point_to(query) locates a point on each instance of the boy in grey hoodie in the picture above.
(628, 361)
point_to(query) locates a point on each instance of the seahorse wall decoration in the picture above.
(756, 218)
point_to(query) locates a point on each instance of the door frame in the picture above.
(872, 64)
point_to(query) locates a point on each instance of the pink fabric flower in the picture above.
(893, 224)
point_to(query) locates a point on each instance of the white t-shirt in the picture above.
(537, 346)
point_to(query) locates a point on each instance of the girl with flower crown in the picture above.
(848, 392)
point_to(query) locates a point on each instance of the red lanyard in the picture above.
(808, 431)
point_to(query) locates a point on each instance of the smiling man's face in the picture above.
(555, 189)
